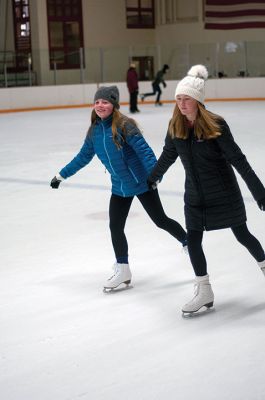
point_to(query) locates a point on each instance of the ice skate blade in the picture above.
(117, 289)
(202, 311)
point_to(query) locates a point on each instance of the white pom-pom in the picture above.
(198, 71)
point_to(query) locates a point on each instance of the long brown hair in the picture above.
(206, 125)
(119, 121)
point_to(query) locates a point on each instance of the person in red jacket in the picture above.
(132, 84)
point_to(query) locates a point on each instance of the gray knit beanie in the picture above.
(109, 93)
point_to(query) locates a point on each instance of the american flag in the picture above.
(234, 14)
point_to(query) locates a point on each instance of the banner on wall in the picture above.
(234, 14)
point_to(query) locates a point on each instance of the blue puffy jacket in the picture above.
(128, 166)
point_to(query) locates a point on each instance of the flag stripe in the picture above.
(243, 25)
(235, 7)
(234, 2)
(234, 14)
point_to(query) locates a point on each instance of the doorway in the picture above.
(144, 67)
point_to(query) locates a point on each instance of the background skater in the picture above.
(156, 85)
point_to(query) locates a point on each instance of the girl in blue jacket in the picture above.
(120, 146)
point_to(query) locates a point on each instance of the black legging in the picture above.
(118, 212)
(133, 101)
(241, 233)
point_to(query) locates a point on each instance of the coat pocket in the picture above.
(133, 174)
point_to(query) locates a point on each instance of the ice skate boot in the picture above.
(203, 298)
(121, 275)
(262, 266)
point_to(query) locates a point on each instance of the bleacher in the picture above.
(14, 79)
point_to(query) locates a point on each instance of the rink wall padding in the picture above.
(82, 95)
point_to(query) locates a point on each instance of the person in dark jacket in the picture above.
(132, 84)
(203, 142)
(159, 78)
(120, 146)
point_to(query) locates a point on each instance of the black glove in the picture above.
(261, 204)
(55, 182)
(151, 184)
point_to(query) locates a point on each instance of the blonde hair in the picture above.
(206, 125)
(119, 121)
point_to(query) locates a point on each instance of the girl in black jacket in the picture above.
(207, 150)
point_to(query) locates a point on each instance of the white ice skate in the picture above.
(262, 266)
(121, 275)
(203, 299)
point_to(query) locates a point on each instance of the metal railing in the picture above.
(59, 60)
(16, 70)
(93, 65)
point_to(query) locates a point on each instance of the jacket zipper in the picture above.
(198, 180)
(104, 143)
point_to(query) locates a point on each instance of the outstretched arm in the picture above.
(84, 156)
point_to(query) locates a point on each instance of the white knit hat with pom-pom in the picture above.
(193, 84)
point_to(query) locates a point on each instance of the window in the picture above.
(177, 11)
(22, 33)
(140, 14)
(65, 33)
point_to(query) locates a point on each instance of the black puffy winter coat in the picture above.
(212, 196)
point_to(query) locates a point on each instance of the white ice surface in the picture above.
(61, 338)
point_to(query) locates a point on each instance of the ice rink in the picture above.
(61, 337)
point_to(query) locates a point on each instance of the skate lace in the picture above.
(196, 289)
(115, 271)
